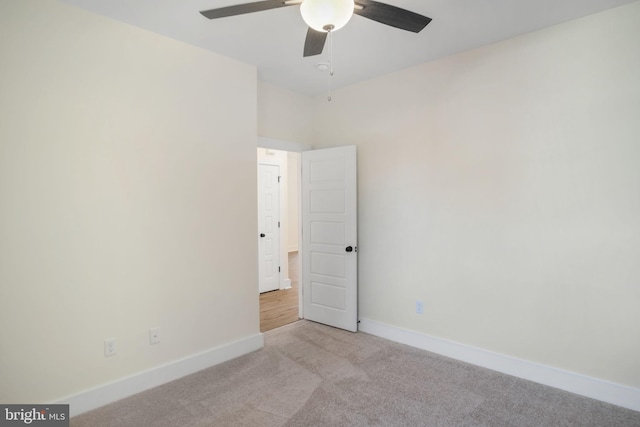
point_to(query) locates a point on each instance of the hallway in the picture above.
(278, 308)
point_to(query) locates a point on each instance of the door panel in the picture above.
(332, 233)
(269, 234)
(330, 297)
(329, 216)
(328, 264)
(327, 201)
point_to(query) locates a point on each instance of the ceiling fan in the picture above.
(326, 16)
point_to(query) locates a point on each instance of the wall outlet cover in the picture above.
(110, 347)
(154, 335)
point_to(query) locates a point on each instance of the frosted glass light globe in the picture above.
(325, 15)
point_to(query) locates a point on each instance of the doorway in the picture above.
(327, 287)
(279, 237)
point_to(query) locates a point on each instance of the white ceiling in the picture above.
(273, 40)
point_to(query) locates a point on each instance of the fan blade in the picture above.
(391, 15)
(240, 9)
(314, 43)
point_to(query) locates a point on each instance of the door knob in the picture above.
(262, 235)
(349, 249)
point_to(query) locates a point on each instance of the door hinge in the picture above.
(278, 269)
(278, 224)
(279, 178)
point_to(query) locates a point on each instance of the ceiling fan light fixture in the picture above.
(327, 15)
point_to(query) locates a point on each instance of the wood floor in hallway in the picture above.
(279, 308)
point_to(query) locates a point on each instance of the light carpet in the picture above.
(313, 375)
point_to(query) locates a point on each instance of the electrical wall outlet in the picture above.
(154, 335)
(110, 347)
(419, 307)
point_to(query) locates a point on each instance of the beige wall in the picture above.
(284, 115)
(501, 187)
(115, 148)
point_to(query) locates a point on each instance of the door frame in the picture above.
(294, 147)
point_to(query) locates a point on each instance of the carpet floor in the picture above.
(313, 375)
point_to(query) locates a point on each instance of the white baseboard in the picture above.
(286, 284)
(609, 392)
(136, 383)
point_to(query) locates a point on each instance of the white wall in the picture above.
(115, 148)
(501, 187)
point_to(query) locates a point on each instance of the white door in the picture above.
(329, 237)
(268, 227)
